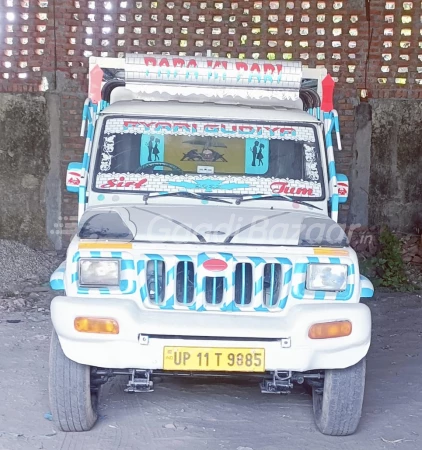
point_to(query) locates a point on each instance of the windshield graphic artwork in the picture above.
(244, 159)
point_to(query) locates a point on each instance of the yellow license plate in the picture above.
(214, 359)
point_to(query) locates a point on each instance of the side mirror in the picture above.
(343, 188)
(73, 176)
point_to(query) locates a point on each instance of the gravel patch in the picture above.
(22, 267)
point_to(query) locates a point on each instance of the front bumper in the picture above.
(207, 329)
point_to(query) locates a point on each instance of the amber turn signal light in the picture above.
(96, 325)
(329, 330)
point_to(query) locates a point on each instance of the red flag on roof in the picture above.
(95, 80)
(327, 103)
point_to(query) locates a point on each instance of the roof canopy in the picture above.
(203, 79)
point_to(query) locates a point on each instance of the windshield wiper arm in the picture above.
(276, 197)
(184, 194)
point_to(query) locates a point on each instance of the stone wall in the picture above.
(24, 167)
(395, 192)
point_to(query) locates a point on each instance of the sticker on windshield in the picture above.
(152, 149)
(205, 169)
(107, 154)
(208, 184)
(256, 156)
(311, 168)
(210, 129)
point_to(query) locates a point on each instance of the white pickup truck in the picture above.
(208, 239)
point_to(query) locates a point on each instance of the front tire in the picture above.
(73, 404)
(338, 409)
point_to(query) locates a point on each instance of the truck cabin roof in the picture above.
(179, 110)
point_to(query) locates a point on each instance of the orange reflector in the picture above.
(330, 251)
(96, 325)
(330, 330)
(104, 245)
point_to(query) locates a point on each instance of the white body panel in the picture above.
(213, 326)
(125, 351)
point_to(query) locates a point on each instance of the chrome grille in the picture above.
(214, 290)
(185, 285)
(156, 271)
(272, 284)
(243, 284)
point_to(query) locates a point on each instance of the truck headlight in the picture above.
(99, 272)
(326, 277)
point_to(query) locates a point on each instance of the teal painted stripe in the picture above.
(169, 303)
(366, 293)
(332, 169)
(140, 266)
(288, 276)
(185, 282)
(202, 257)
(334, 260)
(313, 259)
(283, 302)
(81, 195)
(127, 264)
(272, 284)
(143, 292)
(334, 203)
(90, 132)
(226, 256)
(284, 261)
(257, 261)
(199, 289)
(243, 283)
(184, 258)
(319, 295)
(57, 285)
(261, 308)
(259, 285)
(155, 257)
(170, 275)
(85, 161)
(157, 295)
(300, 268)
(85, 112)
(346, 294)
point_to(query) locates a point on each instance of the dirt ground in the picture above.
(216, 415)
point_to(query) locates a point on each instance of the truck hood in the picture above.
(204, 224)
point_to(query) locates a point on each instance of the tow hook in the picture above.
(282, 381)
(280, 384)
(140, 381)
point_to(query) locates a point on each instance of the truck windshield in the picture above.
(145, 155)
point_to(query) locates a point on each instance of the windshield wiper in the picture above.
(183, 194)
(275, 197)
